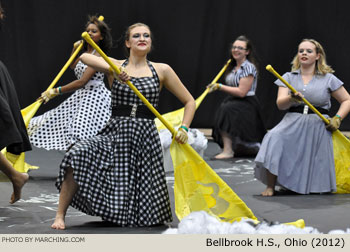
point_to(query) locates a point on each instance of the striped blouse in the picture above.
(246, 69)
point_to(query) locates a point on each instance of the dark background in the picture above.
(193, 37)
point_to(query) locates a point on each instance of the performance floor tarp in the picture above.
(36, 211)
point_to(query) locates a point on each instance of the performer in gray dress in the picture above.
(297, 154)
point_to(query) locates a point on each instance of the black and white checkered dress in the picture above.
(120, 171)
(80, 116)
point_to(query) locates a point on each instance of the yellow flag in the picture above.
(199, 188)
(341, 150)
(18, 162)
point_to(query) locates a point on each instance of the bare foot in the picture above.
(18, 182)
(268, 192)
(224, 155)
(59, 223)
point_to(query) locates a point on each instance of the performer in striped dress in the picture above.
(86, 111)
(119, 173)
(238, 119)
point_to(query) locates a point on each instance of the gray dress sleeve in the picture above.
(334, 83)
(285, 76)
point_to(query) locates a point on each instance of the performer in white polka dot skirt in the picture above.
(86, 111)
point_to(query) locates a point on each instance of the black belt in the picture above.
(300, 109)
(138, 111)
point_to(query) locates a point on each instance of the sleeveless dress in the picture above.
(299, 150)
(80, 116)
(120, 171)
(12, 129)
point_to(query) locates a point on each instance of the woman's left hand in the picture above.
(76, 44)
(181, 136)
(334, 124)
(48, 95)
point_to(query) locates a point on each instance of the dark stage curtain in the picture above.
(191, 36)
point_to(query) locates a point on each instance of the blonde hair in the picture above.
(321, 66)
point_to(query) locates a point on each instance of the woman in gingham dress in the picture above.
(238, 118)
(119, 173)
(86, 111)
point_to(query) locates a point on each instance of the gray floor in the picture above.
(35, 212)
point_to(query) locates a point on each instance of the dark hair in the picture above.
(106, 43)
(251, 56)
(127, 36)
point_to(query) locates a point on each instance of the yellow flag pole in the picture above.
(218, 76)
(64, 68)
(86, 36)
(215, 80)
(29, 111)
(69, 62)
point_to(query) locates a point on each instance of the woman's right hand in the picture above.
(122, 77)
(76, 44)
(213, 87)
(296, 98)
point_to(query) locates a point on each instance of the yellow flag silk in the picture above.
(298, 223)
(198, 187)
(341, 150)
(341, 145)
(18, 162)
(29, 111)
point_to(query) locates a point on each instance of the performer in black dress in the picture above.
(13, 133)
(238, 119)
